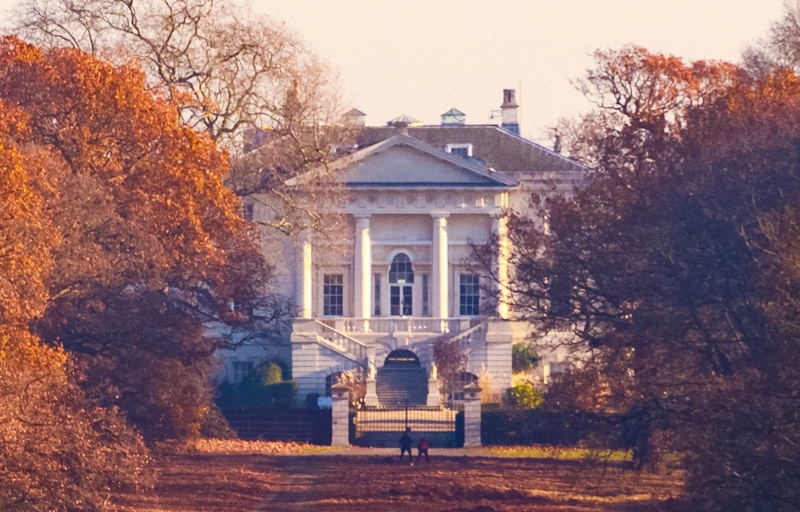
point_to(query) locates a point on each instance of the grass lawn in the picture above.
(554, 452)
(238, 477)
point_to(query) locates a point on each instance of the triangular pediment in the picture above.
(405, 162)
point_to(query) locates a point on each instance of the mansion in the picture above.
(402, 275)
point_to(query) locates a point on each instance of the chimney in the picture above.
(509, 111)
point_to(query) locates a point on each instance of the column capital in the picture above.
(440, 215)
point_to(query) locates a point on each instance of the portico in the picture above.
(404, 277)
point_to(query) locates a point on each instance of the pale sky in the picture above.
(422, 57)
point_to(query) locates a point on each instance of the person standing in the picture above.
(405, 445)
(422, 448)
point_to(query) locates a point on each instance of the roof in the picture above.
(476, 174)
(404, 119)
(454, 112)
(354, 112)
(497, 147)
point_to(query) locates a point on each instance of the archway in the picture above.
(401, 358)
(402, 380)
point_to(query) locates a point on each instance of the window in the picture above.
(241, 369)
(401, 278)
(464, 150)
(560, 293)
(401, 271)
(376, 308)
(425, 300)
(248, 211)
(469, 295)
(333, 295)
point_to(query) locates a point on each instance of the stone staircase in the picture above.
(402, 386)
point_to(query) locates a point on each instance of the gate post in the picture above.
(340, 415)
(472, 415)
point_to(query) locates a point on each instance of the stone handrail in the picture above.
(342, 340)
(401, 324)
(466, 338)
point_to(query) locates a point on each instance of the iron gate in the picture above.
(383, 426)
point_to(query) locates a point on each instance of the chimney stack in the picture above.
(509, 111)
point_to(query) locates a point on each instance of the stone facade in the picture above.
(401, 275)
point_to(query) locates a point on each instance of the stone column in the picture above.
(434, 399)
(472, 416)
(340, 415)
(371, 397)
(439, 268)
(304, 277)
(362, 254)
(500, 264)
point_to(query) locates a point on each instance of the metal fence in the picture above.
(383, 426)
(300, 425)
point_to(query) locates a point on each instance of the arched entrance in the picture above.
(402, 380)
(401, 286)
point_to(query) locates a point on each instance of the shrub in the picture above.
(540, 426)
(215, 426)
(524, 396)
(524, 357)
(172, 402)
(311, 400)
(273, 373)
(250, 393)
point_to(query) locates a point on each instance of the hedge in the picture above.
(538, 426)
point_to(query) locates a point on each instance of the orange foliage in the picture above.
(107, 131)
(148, 246)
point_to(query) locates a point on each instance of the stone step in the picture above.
(400, 386)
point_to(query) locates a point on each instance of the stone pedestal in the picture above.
(340, 415)
(472, 416)
(371, 398)
(433, 399)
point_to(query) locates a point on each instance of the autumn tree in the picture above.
(156, 270)
(451, 362)
(675, 265)
(780, 47)
(237, 75)
(58, 450)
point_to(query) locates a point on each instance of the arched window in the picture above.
(401, 280)
(401, 271)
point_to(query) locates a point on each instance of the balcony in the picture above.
(400, 325)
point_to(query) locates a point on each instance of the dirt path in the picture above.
(337, 483)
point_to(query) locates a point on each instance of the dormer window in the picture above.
(464, 150)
